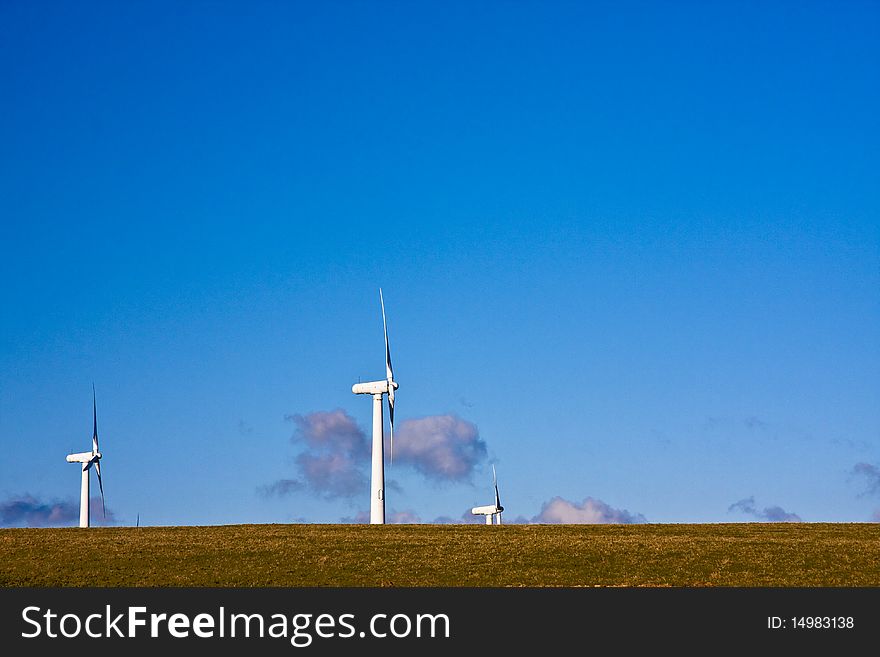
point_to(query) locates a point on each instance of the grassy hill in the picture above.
(742, 554)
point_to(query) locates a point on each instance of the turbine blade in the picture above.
(101, 486)
(495, 483)
(95, 418)
(389, 375)
(391, 420)
(389, 372)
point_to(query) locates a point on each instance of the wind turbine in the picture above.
(491, 511)
(377, 389)
(88, 459)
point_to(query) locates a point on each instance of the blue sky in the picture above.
(634, 246)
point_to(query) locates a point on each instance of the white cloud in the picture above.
(589, 512)
(441, 447)
(28, 511)
(769, 513)
(333, 461)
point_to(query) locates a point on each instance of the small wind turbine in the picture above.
(491, 511)
(88, 459)
(377, 389)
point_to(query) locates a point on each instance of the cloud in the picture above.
(332, 475)
(746, 505)
(558, 511)
(407, 517)
(360, 518)
(334, 431)
(871, 475)
(769, 513)
(441, 447)
(589, 512)
(334, 457)
(332, 462)
(28, 511)
(778, 514)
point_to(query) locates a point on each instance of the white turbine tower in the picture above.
(491, 511)
(377, 389)
(88, 459)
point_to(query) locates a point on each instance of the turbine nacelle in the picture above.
(373, 387)
(486, 510)
(82, 457)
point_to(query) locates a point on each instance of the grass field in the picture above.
(742, 554)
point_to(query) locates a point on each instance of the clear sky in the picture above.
(630, 254)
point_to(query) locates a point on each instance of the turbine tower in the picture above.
(377, 389)
(491, 511)
(88, 459)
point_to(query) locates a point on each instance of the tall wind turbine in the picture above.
(88, 459)
(491, 511)
(377, 389)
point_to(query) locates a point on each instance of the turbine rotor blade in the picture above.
(101, 486)
(389, 375)
(391, 420)
(95, 418)
(389, 371)
(495, 483)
